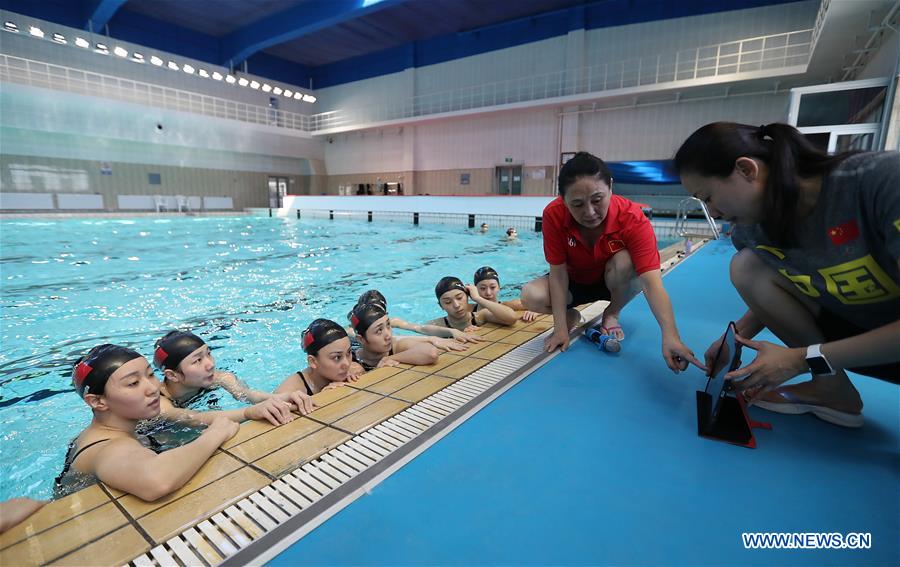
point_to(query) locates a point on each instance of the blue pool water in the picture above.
(248, 285)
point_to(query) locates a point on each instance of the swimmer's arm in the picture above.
(439, 322)
(239, 390)
(274, 410)
(130, 467)
(290, 384)
(414, 352)
(496, 312)
(426, 329)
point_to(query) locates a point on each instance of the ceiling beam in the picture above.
(100, 12)
(293, 23)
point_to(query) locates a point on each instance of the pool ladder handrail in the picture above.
(682, 214)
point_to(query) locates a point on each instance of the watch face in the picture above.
(818, 365)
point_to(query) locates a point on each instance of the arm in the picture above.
(239, 390)
(414, 352)
(558, 281)
(496, 312)
(127, 466)
(516, 305)
(675, 353)
(273, 410)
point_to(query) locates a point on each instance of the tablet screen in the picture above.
(728, 352)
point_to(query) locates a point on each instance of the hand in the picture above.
(557, 339)
(333, 386)
(356, 370)
(273, 410)
(529, 316)
(224, 426)
(772, 366)
(16, 510)
(448, 344)
(714, 366)
(465, 337)
(300, 400)
(677, 355)
(473, 292)
(387, 362)
(472, 329)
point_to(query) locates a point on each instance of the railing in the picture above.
(681, 217)
(58, 77)
(764, 53)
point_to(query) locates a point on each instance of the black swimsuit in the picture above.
(368, 367)
(309, 391)
(473, 320)
(67, 464)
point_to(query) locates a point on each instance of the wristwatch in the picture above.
(817, 362)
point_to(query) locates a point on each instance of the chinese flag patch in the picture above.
(843, 233)
(615, 246)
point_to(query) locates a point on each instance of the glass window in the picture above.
(857, 106)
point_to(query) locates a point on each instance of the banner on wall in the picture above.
(538, 173)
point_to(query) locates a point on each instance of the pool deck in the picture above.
(591, 459)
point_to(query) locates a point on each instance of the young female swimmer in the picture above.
(453, 297)
(121, 389)
(189, 371)
(487, 280)
(379, 346)
(374, 297)
(328, 358)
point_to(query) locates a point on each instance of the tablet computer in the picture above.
(729, 356)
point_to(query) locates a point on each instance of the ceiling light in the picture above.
(277, 90)
(81, 42)
(156, 60)
(10, 26)
(101, 48)
(230, 79)
(309, 98)
(298, 95)
(288, 93)
(137, 57)
(120, 51)
(189, 69)
(254, 84)
(217, 75)
(203, 73)
(266, 87)
(243, 82)
(60, 38)
(172, 65)
(36, 31)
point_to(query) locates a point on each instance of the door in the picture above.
(277, 191)
(509, 180)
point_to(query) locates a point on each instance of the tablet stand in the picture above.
(731, 425)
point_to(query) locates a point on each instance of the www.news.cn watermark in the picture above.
(806, 540)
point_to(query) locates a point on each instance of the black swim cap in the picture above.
(364, 315)
(448, 283)
(486, 273)
(90, 373)
(372, 297)
(321, 333)
(174, 347)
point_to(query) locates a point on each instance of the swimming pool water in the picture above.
(247, 285)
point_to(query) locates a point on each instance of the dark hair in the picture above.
(581, 165)
(319, 334)
(713, 150)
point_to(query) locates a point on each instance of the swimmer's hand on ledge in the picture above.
(274, 410)
(298, 400)
(223, 426)
(465, 337)
(448, 344)
(385, 362)
(334, 386)
(529, 316)
(356, 370)
(559, 339)
(16, 510)
(472, 329)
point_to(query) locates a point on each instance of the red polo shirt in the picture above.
(625, 227)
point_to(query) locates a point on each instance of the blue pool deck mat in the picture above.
(595, 459)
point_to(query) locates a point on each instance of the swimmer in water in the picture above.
(484, 227)
(511, 233)
(488, 283)
(374, 296)
(121, 389)
(329, 362)
(453, 297)
(189, 371)
(380, 348)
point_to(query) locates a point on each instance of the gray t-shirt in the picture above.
(846, 251)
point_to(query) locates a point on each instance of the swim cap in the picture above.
(448, 283)
(90, 373)
(486, 273)
(372, 297)
(321, 333)
(364, 315)
(174, 347)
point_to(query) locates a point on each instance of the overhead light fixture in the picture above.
(137, 58)
(230, 79)
(266, 87)
(120, 51)
(217, 75)
(203, 73)
(277, 90)
(60, 38)
(189, 69)
(309, 98)
(101, 48)
(254, 84)
(156, 60)
(81, 42)
(10, 26)
(172, 65)
(288, 93)
(298, 95)
(36, 31)
(243, 82)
